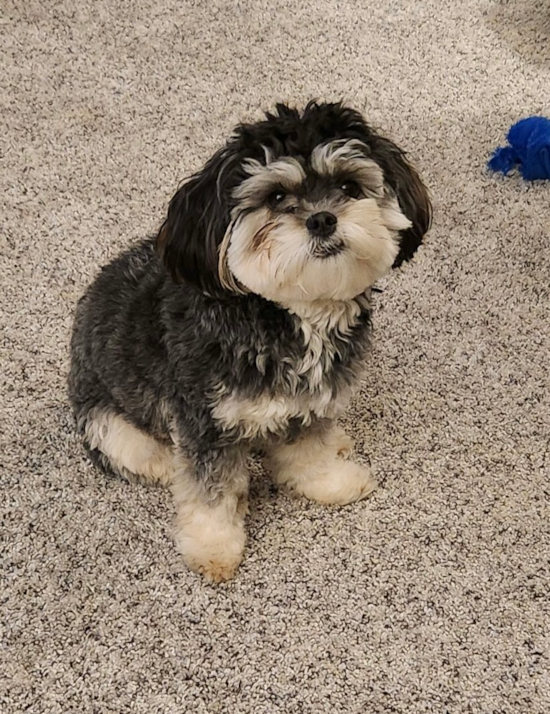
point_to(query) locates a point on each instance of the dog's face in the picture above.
(322, 227)
(303, 206)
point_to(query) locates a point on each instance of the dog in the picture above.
(243, 325)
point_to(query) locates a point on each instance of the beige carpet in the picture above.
(434, 595)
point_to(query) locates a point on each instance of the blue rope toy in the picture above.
(529, 149)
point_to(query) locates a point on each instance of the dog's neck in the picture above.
(325, 316)
(323, 324)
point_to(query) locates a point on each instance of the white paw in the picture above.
(160, 468)
(341, 442)
(337, 483)
(213, 549)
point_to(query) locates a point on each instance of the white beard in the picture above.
(272, 257)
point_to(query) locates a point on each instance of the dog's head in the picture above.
(310, 205)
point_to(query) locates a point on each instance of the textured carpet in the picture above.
(432, 596)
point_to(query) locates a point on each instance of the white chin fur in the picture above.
(271, 256)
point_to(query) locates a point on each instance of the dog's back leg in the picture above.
(121, 447)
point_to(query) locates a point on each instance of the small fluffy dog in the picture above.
(244, 325)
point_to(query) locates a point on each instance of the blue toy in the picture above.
(529, 148)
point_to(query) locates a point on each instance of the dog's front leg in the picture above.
(315, 466)
(211, 500)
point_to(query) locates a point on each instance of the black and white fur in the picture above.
(244, 325)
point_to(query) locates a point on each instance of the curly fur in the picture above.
(246, 322)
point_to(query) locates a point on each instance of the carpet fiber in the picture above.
(433, 595)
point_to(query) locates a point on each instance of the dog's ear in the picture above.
(198, 217)
(412, 195)
(401, 178)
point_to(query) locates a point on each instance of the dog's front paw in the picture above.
(337, 483)
(341, 442)
(215, 551)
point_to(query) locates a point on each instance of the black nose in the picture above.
(322, 224)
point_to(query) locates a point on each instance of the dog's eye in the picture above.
(351, 189)
(276, 198)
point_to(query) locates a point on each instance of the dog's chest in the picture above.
(308, 385)
(263, 415)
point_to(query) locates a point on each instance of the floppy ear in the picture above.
(412, 195)
(198, 217)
